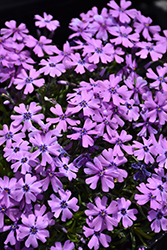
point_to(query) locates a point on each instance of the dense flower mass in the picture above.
(83, 144)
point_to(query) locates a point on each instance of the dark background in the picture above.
(65, 10)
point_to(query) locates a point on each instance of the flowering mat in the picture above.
(83, 154)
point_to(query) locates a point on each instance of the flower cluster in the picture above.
(83, 124)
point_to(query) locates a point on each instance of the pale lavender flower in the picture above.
(51, 67)
(160, 79)
(46, 21)
(10, 134)
(34, 228)
(63, 205)
(160, 222)
(24, 80)
(27, 115)
(67, 246)
(127, 215)
(102, 214)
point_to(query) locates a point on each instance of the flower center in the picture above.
(123, 211)
(9, 135)
(82, 62)
(83, 131)
(83, 104)
(102, 213)
(118, 142)
(160, 188)
(159, 109)
(65, 166)
(29, 80)
(25, 188)
(63, 204)
(43, 148)
(112, 90)
(159, 216)
(33, 230)
(129, 106)
(7, 190)
(145, 148)
(16, 149)
(27, 116)
(98, 50)
(52, 65)
(24, 160)
(3, 209)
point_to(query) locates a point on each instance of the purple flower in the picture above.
(119, 141)
(34, 228)
(67, 246)
(127, 215)
(142, 173)
(160, 79)
(47, 145)
(160, 222)
(63, 119)
(146, 196)
(39, 46)
(99, 172)
(99, 51)
(9, 135)
(121, 12)
(51, 67)
(162, 157)
(145, 150)
(19, 32)
(27, 81)
(7, 190)
(97, 238)
(144, 26)
(155, 51)
(66, 169)
(63, 204)
(46, 21)
(84, 133)
(81, 64)
(102, 214)
(28, 189)
(27, 114)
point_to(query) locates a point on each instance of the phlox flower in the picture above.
(161, 39)
(24, 80)
(84, 101)
(124, 37)
(34, 228)
(118, 141)
(63, 204)
(99, 51)
(80, 28)
(102, 212)
(108, 160)
(162, 157)
(146, 126)
(112, 90)
(148, 48)
(144, 26)
(84, 133)
(28, 189)
(64, 55)
(160, 79)
(132, 111)
(159, 189)
(46, 21)
(51, 67)
(39, 46)
(12, 237)
(81, 64)
(25, 160)
(51, 177)
(121, 11)
(46, 145)
(9, 135)
(7, 190)
(97, 238)
(62, 118)
(127, 215)
(99, 172)
(144, 151)
(67, 246)
(65, 168)
(27, 114)
(146, 196)
(18, 32)
(160, 222)
(142, 171)
(16, 148)
(157, 107)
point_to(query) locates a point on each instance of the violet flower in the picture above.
(24, 80)
(34, 228)
(67, 246)
(46, 21)
(63, 204)
(160, 222)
